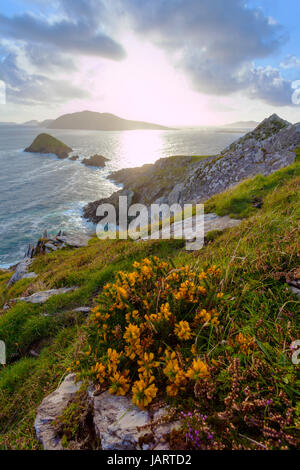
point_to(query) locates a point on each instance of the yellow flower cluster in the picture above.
(143, 391)
(141, 335)
(207, 317)
(163, 314)
(198, 370)
(246, 343)
(176, 375)
(183, 330)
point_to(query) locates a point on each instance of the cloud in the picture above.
(290, 62)
(48, 59)
(78, 33)
(216, 43)
(267, 84)
(24, 88)
(40, 51)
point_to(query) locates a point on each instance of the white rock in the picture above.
(20, 271)
(42, 297)
(30, 276)
(116, 421)
(82, 309)
(76, 241)
(52, 407)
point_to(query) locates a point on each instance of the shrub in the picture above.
(150, 330)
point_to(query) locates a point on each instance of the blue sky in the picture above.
(188, 62)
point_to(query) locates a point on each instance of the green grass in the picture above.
(239, 202)
(255, 258)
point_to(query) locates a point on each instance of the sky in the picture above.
(173, 62)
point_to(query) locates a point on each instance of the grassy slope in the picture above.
(238, 201)
(253, 257)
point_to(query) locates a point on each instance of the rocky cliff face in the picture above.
(268, 148)
(161, 182)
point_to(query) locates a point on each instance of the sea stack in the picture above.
(45, 143)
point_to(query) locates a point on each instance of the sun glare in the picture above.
(144, 86)
(140, 147)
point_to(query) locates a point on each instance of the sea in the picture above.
(40, 192)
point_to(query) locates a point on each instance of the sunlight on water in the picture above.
(140, 147)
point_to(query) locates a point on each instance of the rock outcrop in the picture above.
(90, 210)
(211, 222)
(96, 160)
(119, 424)
(268, 148)
(21, 272)
(161, 182)
(46, 144)
(46, 245)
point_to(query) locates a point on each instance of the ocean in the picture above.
(39, 192)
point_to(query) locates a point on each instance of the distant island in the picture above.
(242, 125)
(45, 143)
(88, 120)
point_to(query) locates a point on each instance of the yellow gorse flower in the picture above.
(122, 293)
(183, 330)
(120, 383)
(144, 391)
(99, 370)
(147, 363)
(198, 370)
